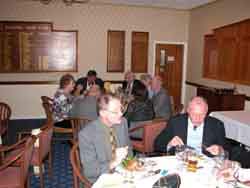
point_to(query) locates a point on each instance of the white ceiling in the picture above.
(176, 4)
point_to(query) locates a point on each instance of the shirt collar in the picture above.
(191, 125)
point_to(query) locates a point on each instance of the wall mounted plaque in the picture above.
(36, 47)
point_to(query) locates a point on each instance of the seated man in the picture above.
(130, 83)
(84, 83)
(104, 143)
(160, 99)
(194, 129)
(87, 106)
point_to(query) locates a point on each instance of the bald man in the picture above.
(130, 83)
(195, 129)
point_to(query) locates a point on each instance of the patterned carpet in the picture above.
(62, 171)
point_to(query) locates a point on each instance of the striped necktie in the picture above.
(113, 142)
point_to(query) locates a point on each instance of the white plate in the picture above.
(241, 185)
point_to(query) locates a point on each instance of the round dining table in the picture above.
(157, 167)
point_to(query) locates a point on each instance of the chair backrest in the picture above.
(176, 108)
(77, 124)
(151, 131)
(5, 113)
(21, 158)
(47, 103)
(45, 138)
(77, 168)
(26, 158)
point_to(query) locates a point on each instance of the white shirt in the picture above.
(194, 135)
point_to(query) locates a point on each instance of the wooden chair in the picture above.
(77, 168)
(5, 113)
(176, 108)
(151, 129)
(47, 103)
(16, 175)
(9, 152)
(43, 151)
(77, 124)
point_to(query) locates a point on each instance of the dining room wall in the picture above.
(202, 21)
(92, 22)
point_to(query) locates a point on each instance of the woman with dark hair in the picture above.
(140, 109)
(62, 102)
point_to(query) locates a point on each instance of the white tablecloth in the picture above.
(237, 125)
(203, 178)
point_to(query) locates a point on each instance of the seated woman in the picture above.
(140, 109)
(62, 102)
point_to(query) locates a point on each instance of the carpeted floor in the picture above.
(62, 171)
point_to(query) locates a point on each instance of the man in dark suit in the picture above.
(85, 83)
(194, 129)
(130, 83)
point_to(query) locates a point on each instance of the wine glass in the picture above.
(180, 156)
(179, 151)
(221, 159)
(235, 168)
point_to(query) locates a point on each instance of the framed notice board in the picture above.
(36, 47)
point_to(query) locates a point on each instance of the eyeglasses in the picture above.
(122, 110)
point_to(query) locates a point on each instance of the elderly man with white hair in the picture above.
(195, 129)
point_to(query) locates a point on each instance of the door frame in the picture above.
(184, 66)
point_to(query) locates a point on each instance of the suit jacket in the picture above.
(213, 132)
(125, 83)
(95, 147)
(83, 81)
(162, 104)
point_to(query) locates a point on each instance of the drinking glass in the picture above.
(179, 152)
(235, 168)
(221, 159)
(192, 161)
(180, 156)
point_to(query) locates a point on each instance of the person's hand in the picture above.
(215, 149)
(176, 141)
(225, 174)
(78, 89)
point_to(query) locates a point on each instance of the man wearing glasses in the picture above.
(104, 143)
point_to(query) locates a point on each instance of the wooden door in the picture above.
(168, 64)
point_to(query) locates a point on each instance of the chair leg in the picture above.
(50, 164)
(28, 181)
(76, 182)
(41, 175)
